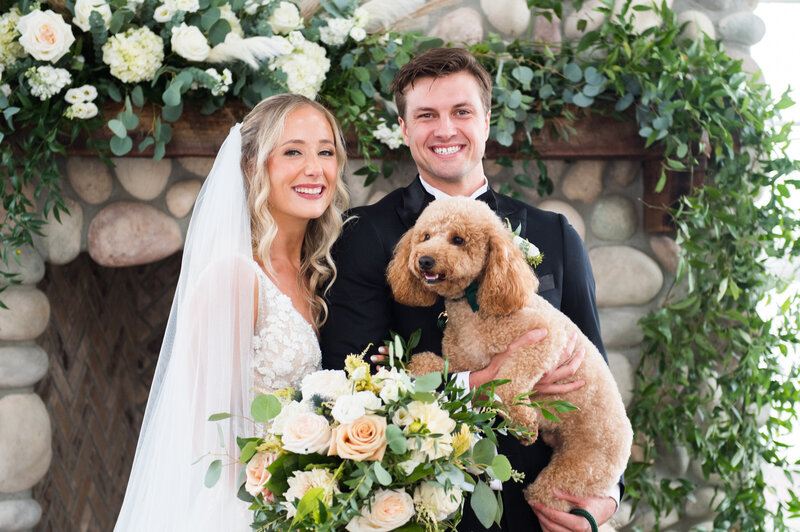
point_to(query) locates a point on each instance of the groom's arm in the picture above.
(359, 302)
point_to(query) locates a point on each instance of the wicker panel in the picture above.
(104, 336)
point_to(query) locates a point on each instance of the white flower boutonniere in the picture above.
(531, 253)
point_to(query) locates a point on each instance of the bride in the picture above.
(246, 311)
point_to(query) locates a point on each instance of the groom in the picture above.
(443, 97)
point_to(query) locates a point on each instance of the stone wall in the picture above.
(139, 212)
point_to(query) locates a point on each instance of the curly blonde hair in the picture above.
(262, 129)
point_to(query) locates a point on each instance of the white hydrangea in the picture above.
(47, 81)
(305, 67)
(336, 32)
(135, 55)
(223, 81)
(391, 136)
(81, 110)
(286, 18)
(226, 13)
(10, 48)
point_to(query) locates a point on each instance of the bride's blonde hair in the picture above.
(262, 128)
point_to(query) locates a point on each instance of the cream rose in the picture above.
(287, 413)
(390, 509)
(45, 35)
(436, 501)
(258, 475)
(363, 439)
(84, 9)
(306, 434)
(189, 42)
(286, 18)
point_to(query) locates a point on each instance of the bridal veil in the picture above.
(203, 369)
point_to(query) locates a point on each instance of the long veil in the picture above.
(203, 369)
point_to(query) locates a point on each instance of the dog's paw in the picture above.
(424, 363)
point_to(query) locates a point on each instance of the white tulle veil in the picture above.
(202, 370)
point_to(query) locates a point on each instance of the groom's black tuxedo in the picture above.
(362, 310)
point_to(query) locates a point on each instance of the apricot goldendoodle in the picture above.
(457, 242)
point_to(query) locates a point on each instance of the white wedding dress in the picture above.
(285, 346)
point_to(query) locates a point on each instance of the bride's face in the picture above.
(302, 167)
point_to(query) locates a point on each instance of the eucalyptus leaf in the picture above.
(120, 145)
(573, 72)
(265, 407)
(428, 383)
(484, 504)
(381, 475)
(213, 473)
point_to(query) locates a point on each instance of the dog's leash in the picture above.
(586, 515)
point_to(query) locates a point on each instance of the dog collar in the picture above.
(471, 295)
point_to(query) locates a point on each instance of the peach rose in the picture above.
(258, 475)
(390, 509)
(363, 439)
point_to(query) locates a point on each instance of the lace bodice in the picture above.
(285, 347)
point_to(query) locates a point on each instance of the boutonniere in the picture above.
(531, 253)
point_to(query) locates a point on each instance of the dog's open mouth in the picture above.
(433, 278)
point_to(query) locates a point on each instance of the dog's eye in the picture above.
(426, 237)
(457, 241)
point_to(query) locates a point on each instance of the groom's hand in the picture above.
(601, 508)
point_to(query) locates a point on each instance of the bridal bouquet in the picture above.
(356, 450)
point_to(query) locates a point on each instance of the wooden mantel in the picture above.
(596, 136)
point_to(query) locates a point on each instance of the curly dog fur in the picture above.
(457, 241)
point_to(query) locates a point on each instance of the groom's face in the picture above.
(446, 128)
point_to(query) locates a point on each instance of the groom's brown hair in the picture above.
(438, 63)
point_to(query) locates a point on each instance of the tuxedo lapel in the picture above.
(515, 213)
(415, 199)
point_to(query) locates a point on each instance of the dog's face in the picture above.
(457, 241)
(448, 251)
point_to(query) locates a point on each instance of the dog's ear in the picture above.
(507, 279)
(407, 288)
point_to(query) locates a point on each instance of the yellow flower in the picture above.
(462, 440)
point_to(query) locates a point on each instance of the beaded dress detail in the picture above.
(285, 347)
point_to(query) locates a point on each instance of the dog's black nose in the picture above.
(426, 263)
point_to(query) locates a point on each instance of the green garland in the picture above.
(712, 364)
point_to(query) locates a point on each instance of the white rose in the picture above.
(286, 18)
(45, 35)
(402, 418)
(388, 510)
(190, 6)
(5, 88)
(306, 434)
(163, 13)
(436, 500)
(326, 383)
(226, 13)
(84, 9)
(347, 409)
(358, 34)
(189, 42)
(287, 412)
